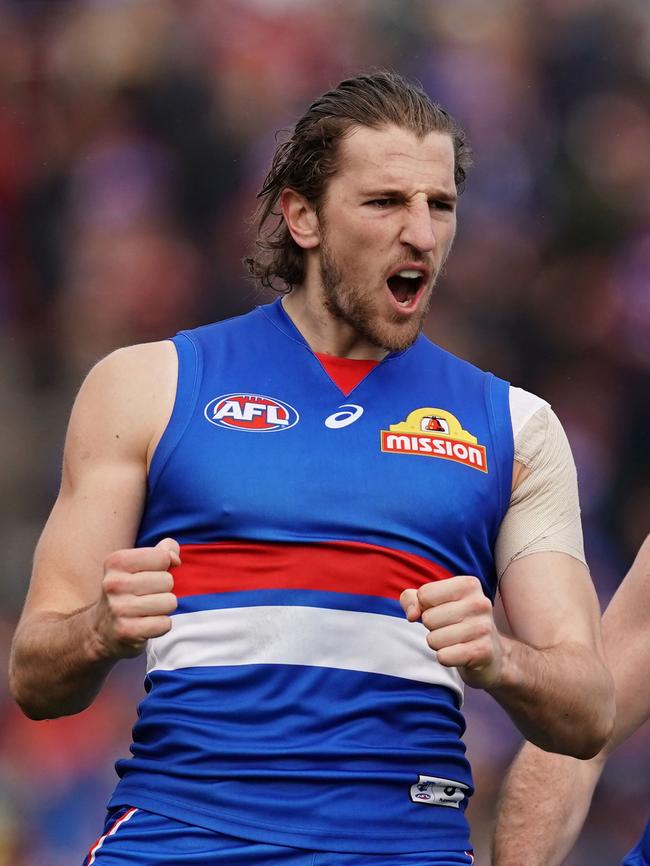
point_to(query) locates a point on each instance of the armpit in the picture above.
(544, 512)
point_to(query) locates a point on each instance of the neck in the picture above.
(325, 333)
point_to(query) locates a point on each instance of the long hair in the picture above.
(310, 156)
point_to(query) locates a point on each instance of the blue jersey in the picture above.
(292, 702)
(640, 854)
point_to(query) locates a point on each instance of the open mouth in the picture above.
(405, 287)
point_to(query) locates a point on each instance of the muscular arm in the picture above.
(546, 797)
(549, 676)
(92, 600)
(552, 678)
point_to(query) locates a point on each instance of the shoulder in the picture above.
(127, 396)
(258, 316)
(525, 406)
(140, 360)
(133, 374)
(426, 349)
(537, 430)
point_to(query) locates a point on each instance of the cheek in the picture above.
(450, 234)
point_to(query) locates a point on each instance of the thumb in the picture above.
(174, 549)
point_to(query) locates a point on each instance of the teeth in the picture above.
(413, 275)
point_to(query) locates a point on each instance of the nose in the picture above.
(417, 230)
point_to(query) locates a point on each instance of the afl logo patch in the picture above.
(251, 412)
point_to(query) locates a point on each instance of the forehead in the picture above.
(392, 156)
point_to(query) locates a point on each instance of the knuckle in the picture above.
(471, 583)
(485, 631)
(117, 608)
(113, 560)
(124, 630)
(111, 582)
(481, 605)
(116, 582)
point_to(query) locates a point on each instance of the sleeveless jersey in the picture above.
(292, 702)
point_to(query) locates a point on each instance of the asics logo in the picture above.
(346, 414)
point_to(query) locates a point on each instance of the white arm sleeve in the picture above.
(544, 511)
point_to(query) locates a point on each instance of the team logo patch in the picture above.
(251, 412)
(433, 791)
(435, 433)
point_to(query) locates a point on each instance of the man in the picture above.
(546, 797)
(250, 501)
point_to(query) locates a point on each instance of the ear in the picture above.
(301, 219)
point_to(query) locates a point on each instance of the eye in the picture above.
(381, 203)
(437, 204)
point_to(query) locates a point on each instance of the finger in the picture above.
(174, 548)
(138, 629)
(409, 601)
(441, 615)
(139, 559)
(136, 606)
(451, 635)
(475, 654)
(454, 588)
(138, 583)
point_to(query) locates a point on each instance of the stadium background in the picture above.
(133, 137)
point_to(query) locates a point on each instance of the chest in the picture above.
(273, 450)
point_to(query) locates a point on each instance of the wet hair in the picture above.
(309, 158)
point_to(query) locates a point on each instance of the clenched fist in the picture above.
(461, 627)
(137, 598)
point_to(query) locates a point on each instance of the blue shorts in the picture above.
(133, 837)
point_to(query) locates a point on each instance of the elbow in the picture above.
(31, 701)
(601, 734)
(583, 744)
(604, 720)
(590, 747)
(590, 736)
(23, 696)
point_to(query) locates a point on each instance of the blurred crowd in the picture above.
(134, 135)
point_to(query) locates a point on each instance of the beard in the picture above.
(358, 307)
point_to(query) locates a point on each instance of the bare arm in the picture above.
(93, 600)
(546, 797)
(553, 680)
(550, 676)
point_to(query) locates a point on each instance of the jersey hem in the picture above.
(317, 840)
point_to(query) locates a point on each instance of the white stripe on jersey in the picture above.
(292, 635)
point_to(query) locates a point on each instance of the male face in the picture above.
(387, 223)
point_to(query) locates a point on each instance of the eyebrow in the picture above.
(390, 192)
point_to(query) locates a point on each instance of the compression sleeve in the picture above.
(544, 511)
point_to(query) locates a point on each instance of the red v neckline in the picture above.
(346, 373)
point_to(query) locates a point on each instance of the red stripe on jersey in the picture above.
(333, 566)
